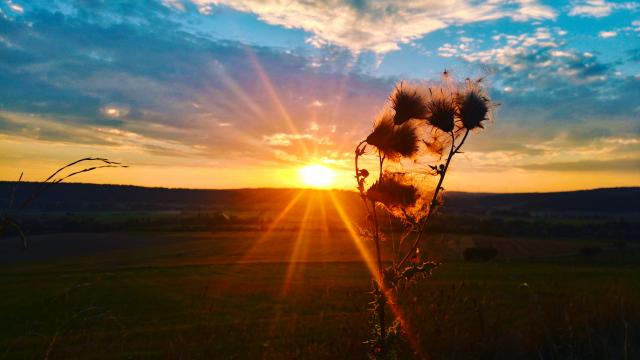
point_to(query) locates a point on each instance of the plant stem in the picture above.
(358, 177)
(381, 304)
(376, 237)
(434, 200)
(376, 229)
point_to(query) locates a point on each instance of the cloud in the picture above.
(613, 165)
(380, 26)
(86, 71)
(535, 60)
(138, 82)
(15, 7)
(284, 139)
(599, 8)
(447, 50)
(558, 105)
(607, 34)
(175, 4)
(114, 111)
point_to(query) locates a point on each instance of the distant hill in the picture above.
(93, 197)
(607, 200)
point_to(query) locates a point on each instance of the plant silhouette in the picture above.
(421, 127)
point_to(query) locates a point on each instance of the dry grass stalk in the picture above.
(9, 222)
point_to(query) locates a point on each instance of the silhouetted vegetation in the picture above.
(421, 127)
(591, 251)
(480, 253)
(569, 227)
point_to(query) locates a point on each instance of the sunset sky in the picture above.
(228, 94)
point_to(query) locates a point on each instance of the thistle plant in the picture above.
(414, 139)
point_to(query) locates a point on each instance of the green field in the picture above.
(237, 295)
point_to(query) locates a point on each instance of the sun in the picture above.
(316, 176)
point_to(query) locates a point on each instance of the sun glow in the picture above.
(316, 176)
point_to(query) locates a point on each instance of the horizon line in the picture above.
(316, 189)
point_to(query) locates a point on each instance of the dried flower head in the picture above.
(393, 191)
(473, 106)
(394, 141)
(436, 144)
(408, 103)
(442, 111)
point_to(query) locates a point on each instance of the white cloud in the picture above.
(560, 53)
(599, 8)
(622, 141)
(174, 4)
(15, 7)
(283, 139)
(380, 26)
(205, 9)
(447, 50)
(539, 56)
(516, 48)
(607, 34)
(114, 111)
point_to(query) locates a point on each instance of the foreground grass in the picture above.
(88, 308)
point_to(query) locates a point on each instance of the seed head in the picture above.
(394, 141)
(442, 111)
(408, 103)
(393, 191)
(473, 107)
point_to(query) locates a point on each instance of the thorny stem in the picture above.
(434, 200)
(376, 237)
(381, 314)
(376, 234)
(359, 178)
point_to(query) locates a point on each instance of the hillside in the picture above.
(91, 197)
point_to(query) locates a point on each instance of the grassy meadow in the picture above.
(236, 295)
(138, 273)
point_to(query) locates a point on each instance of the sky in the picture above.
(232, 93)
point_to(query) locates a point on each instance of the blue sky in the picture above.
(216, 90)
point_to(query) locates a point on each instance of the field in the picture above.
(237, 295)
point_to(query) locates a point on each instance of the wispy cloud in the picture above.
(624, 165)
(599, 8)
(607, 34)
(381, 26)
